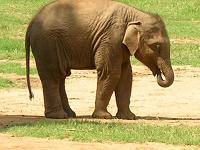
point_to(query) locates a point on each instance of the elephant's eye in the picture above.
(155, 47)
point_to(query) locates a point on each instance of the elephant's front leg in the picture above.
(108, 77)
(123, 93)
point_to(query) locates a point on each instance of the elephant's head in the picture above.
(148, 40)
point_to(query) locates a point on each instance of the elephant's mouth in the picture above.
(154, 69)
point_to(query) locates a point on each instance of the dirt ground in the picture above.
(178, 104)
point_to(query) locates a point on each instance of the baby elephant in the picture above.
(95, 34)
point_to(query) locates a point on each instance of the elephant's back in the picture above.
(75, 19)
(69, 13)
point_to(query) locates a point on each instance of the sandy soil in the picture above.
(178, 104)
(13, 143)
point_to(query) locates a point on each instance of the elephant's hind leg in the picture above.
(48, 70)
(52, 100)
(64, 99)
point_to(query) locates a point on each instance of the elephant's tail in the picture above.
(27, 47)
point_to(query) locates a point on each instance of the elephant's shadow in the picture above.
(7, 120)
(145, 118)
(166, 118)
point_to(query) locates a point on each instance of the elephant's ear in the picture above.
(131, 37)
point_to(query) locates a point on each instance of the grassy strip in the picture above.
(15, 68)
(183, 29)
(169, 9)
(185, 54)
(5, 83)
(181, 16)
(12, 49)
(182, 54)
(107, 132)
(15, 15)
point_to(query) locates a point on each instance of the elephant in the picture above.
(95, 34)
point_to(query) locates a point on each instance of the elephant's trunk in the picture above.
(167, 71)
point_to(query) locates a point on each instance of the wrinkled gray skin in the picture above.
(101, 34)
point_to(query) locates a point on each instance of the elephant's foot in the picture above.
(126, 115)
(70, 112)
(57, 114)
(101, 114)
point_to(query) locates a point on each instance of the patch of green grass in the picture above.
(12, 49)
(169, 9)
(15, 68)
(107, 132)
(181, 54)
(185, 54)
(181, 16)
(15, 15)
(184, 29)
(5, 83)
